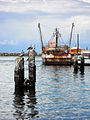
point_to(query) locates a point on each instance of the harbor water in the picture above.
(60, 93)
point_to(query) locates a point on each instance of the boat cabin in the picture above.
(75, 50)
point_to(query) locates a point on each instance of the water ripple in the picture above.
(60, 93)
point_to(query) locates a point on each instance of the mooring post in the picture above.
(32, 67)
(82, 64)
(75, 64)
(19, 72)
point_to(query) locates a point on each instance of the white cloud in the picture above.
(82, 22)
(27, 30)
(50, 6)
(7, 42)
(3, 42)
(88, 1)
(82, 25)
(12, 42)
(52, 13)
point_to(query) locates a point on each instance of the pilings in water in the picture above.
(32, 67)
(82, 65)
(77, 65)
(19, 72)
(19, 79)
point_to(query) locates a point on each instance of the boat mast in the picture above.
(40, 35)
(71, 35)
(77, 43)
(57, 37)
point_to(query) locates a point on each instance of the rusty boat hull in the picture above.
(57, 60)
(50, 61)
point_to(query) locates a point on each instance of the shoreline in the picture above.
(17, 54)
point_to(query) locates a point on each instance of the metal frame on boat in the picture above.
(55, 53)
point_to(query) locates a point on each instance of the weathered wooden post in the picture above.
(19, 72)
(32, 67)
(75, 64)
(82, 65)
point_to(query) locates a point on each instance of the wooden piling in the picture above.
(75, 64)
(82, 64)
(19, 72)
(32, 68)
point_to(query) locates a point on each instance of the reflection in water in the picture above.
(79, 75)
(82, 77)
(55, 73)
(24, 104)
(75, 71)
(82, 73)
(61, 94)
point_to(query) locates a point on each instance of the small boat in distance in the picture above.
(86, 54)
(55, 53)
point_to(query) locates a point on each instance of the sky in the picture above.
(19, 22)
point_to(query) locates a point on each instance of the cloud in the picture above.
(3, 42)
(12, 42)
(87, 1)
(82, 22)
(49, 6)
(26, 30)
(19, 31)
(82, 26)
(19, 19)
(7, 42)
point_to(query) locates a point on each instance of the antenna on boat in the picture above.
(40, 35)
(77, 43)
(71, 35)
(57, 37)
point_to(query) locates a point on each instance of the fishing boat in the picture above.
(55, 53)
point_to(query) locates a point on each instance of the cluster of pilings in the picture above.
(78, 66)
(19, 79)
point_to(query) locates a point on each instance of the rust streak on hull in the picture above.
(57, 61)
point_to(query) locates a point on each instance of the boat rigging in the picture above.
(55, 53)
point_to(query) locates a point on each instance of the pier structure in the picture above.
(77, 65)
(19, 72)
(82, 64)
(19, 79)
(32, 67)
